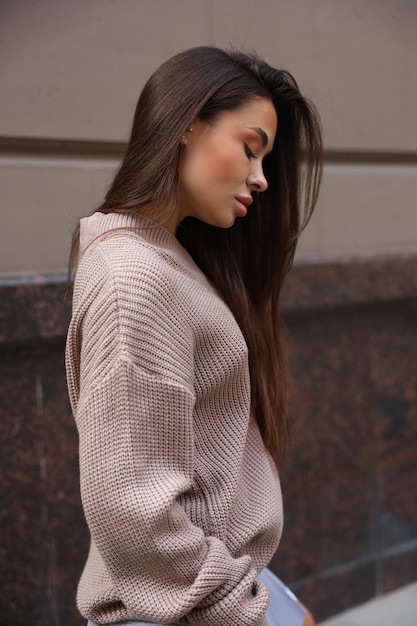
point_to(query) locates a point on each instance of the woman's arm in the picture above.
(309, 619)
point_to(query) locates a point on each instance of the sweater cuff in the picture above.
(245, 605)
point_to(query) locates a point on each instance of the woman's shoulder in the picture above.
(120, 269)
(126, 289)
(119, 252)
(133, 247)
(137, 276)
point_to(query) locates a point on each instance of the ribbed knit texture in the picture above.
(181, 497)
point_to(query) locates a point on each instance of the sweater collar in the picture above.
(98, 224)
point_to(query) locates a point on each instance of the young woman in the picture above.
(174, 356)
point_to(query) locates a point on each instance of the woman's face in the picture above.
(222, 163)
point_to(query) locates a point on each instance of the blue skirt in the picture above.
(283, 609)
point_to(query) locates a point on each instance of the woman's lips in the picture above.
(241, 205)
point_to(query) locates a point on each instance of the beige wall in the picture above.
(71, 72)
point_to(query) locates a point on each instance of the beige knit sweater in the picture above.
(181, 498)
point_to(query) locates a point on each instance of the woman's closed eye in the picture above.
(249, 152)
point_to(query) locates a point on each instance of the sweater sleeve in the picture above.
(136, 435)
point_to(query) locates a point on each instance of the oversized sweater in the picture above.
(182, 499)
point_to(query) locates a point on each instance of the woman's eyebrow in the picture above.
(261, 133)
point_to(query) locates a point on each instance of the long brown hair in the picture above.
(249, 261)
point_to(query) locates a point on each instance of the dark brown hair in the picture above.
(249, 261)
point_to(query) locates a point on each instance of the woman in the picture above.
(174, 357)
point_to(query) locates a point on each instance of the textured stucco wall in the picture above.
(71, 73)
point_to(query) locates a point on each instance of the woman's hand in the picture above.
(309, 619)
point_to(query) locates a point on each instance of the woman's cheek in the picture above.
(228, 168)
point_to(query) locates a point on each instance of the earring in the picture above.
(184, 137)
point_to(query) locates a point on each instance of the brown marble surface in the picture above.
(350, 484)
(43, 538)
(350, 481)
(317, 284)
(33, 308)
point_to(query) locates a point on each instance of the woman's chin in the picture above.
(223, 223)
(226, 222)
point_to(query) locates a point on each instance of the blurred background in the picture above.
(70, 75)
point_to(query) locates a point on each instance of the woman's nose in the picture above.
(257, 181)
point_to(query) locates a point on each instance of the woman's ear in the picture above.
(184, 138)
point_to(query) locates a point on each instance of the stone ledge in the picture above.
(350, 281)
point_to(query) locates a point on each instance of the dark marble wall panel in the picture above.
(397, 504)
(399, 569)
(325, 525)
(67, 540)
(394, 379)
(43, 537)
(350, 481)
(350, 484)
(339, 590)
(32, 308)
(329, 395)
(351, 281)
(21, 512)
